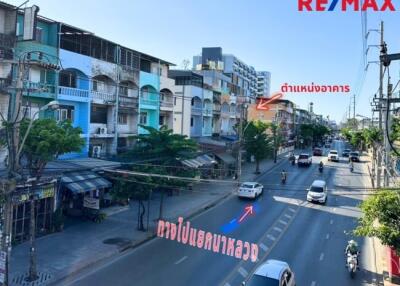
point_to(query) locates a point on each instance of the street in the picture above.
(310, 237)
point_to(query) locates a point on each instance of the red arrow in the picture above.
(263, 105)
(248, 210)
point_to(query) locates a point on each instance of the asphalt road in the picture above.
(310, 237)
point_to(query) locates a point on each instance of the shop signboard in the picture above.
(91, 203)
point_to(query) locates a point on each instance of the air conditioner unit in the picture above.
(96, 151)
(103, 130)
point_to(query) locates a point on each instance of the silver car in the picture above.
(272, 273)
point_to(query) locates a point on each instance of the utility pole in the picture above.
(380, 125)
(239, 174)
(386, 139)
(354, 109)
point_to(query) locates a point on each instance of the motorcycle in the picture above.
(293, 162)
(352, 264)
(351, 169)
(283, 179)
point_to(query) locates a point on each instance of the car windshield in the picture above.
(333, 152)
(258, 280)
(303, 157)
(249, 186)
(354, 154)
(316, 189)
(347, 150)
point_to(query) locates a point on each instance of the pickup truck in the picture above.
(333, 156)
(304, 160)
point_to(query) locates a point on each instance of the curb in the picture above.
(130, 246)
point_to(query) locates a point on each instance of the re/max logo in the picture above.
(354, 5)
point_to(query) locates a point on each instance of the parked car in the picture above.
(250, 190)
(318, 192)
(333, 156)
(272, 273)
(346, 152)
(304, 160)
(317, 152)
(354, 157)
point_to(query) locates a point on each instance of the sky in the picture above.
(298, 48)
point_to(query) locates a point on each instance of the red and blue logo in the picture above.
(345, 5)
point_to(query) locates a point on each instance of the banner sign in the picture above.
(91, 203)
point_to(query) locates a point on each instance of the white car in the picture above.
(318, 192)
(272, 273)
(250, 190)
(304, 160)
(333, 156)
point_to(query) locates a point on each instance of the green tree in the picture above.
(346, 132)
(381, 218)
(47, 140)
(163, 144)
(306, 133)
(169, 149)
(257, 142)
(357, 139)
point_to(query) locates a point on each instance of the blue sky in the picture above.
(296, 47)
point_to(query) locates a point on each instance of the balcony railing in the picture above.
(5, 83)
(70, 91)
(166, 103)
(128, 101)
(149, 98)
(207, 112)
(232, 113)
(40, 87)
(216, 111)
(100, 95)
(197, 110)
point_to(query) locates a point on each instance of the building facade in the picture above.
(263, 84)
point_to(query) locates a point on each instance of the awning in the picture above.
(89, 185)
(203, 160)
(84, 182)
(226, 158)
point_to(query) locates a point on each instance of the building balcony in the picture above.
(39, 89)
(197, 110)
(216, 111)
(126, 101)
(73, 93)
(5, 83)
(232, 113)
(166, 104)
(207, 112)
(102, 97)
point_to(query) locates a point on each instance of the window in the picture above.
(17, 31)
(65, 113)
(161, 120)
(192, 101)
(95, 86)
(26, 112)
(191, 121)
(123, 119)
(39, 35)
(143, 118)
(98, 114)
(123, 90)
(174, 100)
(67, 79)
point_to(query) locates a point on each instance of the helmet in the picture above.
(353, 242)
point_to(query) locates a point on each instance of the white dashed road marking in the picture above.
(292, 210)
(288, 216)
(271, 237)
(242, 271)
(277, 229)
(283, 222)
(321, 257)
(331, 222)
(181, 260)
(263, 247)
(327, 236)
(227, 284)
(313, 283)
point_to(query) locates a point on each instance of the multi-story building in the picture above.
(243, 77)
(263, 84)
(193, 104)
(280, 112)
(7, 42)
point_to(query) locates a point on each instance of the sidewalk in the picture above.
(86, 243)
(380, 250)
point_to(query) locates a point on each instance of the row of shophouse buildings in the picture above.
(109, 91)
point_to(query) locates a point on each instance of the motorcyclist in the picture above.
(321, 164)
(352, 248)
(283, 176)
(351, 166)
